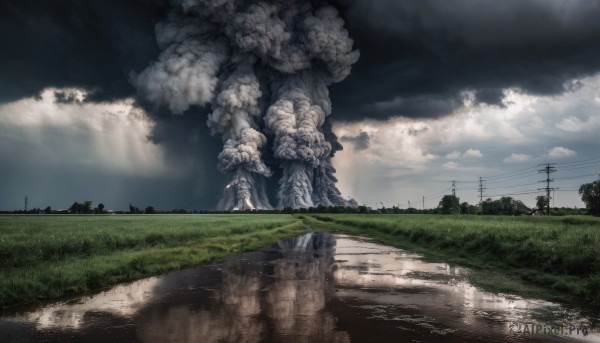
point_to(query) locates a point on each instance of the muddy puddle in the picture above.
(314, 288)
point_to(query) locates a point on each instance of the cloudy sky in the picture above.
(452, 90)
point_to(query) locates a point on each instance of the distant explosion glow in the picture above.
(264, 67)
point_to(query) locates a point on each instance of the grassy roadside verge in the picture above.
(555, 258)
(48, 257)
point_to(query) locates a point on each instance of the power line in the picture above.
(466, 189)
(510, 174)
(575, 177)
(548, 169)
(510, 194)
(438, 193)
(579, 162)
(480, 189)
(521, 185)
(528, 174)
(510, 180)
(591, 165)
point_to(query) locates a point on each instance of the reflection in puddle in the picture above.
(314, 288)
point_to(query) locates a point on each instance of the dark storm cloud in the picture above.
(190, 145)
(68, 43)
(360, 141)
(418, 57)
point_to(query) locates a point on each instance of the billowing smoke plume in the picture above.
(264, 68)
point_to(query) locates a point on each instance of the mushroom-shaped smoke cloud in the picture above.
(264, 67)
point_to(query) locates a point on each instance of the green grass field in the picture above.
(47, 257)
(561, 254)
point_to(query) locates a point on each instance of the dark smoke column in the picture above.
(235, 114)
(264, 67)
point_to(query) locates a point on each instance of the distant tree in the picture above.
(75, 208)
(48, 210)
(149, 210)
(464, 208)
(491, 207)
(474, 209)
(450, 204)
(504, 206)
(99, 209)
(87, 207)
(590, 195)
(134, 210)
(519, 208)
(78, 208)
(541, 201)
(566, 211)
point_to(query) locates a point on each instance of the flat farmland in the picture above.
(48, 257)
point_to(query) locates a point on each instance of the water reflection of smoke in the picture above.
(250, 307)
(184, 324)
(296, 300)
(232, 314)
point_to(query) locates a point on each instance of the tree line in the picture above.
(449, 204)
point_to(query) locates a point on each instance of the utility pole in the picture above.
(409, 204)
(423, 203)
(480, 189)
(548, 169)
(26, 203)
(454, 188)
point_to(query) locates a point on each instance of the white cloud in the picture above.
(454, 154)
(490, 138)
(576, 124)
(517, 158)
(451, 165)
(473, 153)
(106, 136)
(571, 124)
(561, 152)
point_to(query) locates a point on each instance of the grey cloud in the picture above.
(417, 49)
(415, 132)
(360, 141)
(66, 97)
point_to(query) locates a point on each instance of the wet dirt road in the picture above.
(313, 288)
